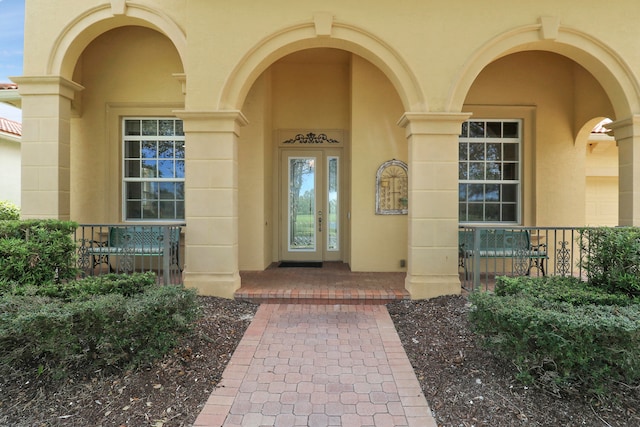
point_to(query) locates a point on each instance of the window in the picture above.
(153, 169)
(489, 171)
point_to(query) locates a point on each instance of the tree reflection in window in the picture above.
(489, 171)
(154, 169)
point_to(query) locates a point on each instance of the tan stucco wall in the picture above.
(554, 162)
(255, 164)
(418, 32)
(378, 242)
(543, 61)
(322, 90)
(311, 91)
(601, 196)
(125, 72)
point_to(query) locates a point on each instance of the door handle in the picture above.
(320, 221)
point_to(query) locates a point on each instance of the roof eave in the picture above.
(10, 137)
(11, 97)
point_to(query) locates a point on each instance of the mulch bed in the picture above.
(464, 384)
(169, 393)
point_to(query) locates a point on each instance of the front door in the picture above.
(310, 205)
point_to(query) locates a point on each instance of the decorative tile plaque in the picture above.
(392, 189)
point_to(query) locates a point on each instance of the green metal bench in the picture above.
(128, 242)
(502, 243)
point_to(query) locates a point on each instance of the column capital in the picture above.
(47, 85)
(212, 120)
(626, 128)
(432, 123)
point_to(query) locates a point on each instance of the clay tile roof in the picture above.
(10, 127)
(600, 127)
(7, 86)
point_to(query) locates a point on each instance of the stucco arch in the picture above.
(601, 61)
(582, 135)
(75, 37)
(304, 36)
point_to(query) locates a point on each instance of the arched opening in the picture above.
(330, 114)
(80, 32)
(343, 37)
(127, 73)
(601, 174)
(551, 96)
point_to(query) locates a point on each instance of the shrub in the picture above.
(612, 258)
(121, 284)
(37, 251)
(8, 211)
(560, 345)
(560, 289)
(103, 332)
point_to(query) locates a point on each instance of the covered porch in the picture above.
(485, 252)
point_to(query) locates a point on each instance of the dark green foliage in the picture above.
(126, 285)
(612, 258)
(102, 332)
(561, 332)
(37, 252)
(560, 289)
(8, 211)
(51, 323)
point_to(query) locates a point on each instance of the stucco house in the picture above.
(10, 133)
(10, 139)
(263, 126)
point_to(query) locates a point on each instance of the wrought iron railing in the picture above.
(128, 248)
(486, 252)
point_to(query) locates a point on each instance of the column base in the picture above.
(426, 287)
(213, 284)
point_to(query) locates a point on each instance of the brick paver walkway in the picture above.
(318, 365)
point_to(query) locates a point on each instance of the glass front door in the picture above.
(310, 204)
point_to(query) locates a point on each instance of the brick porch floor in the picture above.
(334, 283)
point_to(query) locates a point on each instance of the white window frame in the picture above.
(466, 138)
(125, 180)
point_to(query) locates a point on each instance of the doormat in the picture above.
(301, 264)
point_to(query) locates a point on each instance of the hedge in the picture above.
(612, 258)
(88, 287)
(560, 289)
(35, 252)
(559, 344)
(104, 331)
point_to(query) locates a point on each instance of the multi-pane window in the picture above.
(489, 171)
(153, 169)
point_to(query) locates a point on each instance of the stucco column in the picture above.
(46, 115)
(627, 134)
(211, 201)
(433, 203)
